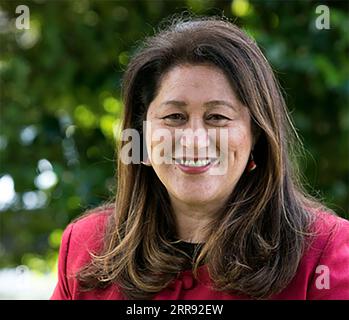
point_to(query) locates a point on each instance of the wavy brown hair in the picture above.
(256, 243)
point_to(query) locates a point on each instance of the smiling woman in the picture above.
(215, 210)
(196, 193)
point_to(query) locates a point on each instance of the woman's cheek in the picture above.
(160, 144)
(240, 137)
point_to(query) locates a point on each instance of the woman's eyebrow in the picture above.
(209, 104)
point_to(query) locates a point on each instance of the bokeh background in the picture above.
(60, 108)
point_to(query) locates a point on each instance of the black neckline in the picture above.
(188, 247)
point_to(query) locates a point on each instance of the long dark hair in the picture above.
(255, 244)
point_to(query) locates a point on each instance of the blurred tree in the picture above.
(60, 103)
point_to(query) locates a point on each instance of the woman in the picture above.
(215, 210)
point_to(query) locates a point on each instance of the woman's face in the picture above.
(199, 127)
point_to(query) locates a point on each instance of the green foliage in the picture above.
(60, 101)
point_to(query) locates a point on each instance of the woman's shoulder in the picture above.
(327, 230)
(328, 226)
(323, 269)
(327, 258)
(327, 218)
(84, 236)
(92, 222)
(81, 238)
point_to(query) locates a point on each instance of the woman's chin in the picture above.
(195, 198)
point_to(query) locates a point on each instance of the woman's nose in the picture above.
(195, 139)
(195, 136)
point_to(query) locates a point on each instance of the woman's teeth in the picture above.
(192, 163)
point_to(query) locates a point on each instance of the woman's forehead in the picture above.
(195, 82)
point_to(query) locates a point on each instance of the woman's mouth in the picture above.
(195, 166)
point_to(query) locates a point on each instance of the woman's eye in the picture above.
(175, 116)
(216, 117)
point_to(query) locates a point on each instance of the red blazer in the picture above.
(323, 272)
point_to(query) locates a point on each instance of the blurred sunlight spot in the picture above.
(44, 165)
(55, 238)
(46, 180)
(3, 142)
(70, 152)
(28, 134)
(7, 191)
(84, 116)
(69, 132)
(28, 38)
(40, 264)
(34, 199)
(107, 124)
(64, 119)
(123, 58)
(112, 105)
(241, 8)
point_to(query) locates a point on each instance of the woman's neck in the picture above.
(191, 220)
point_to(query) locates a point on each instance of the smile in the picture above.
(195, 166)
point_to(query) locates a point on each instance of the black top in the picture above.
(188, 247)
